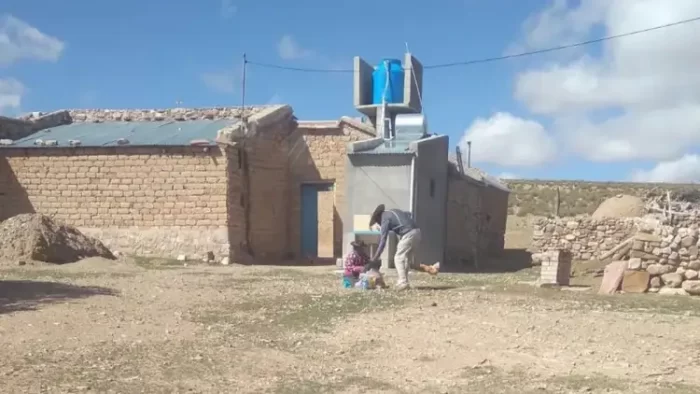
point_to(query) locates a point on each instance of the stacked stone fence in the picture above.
(669, 253)
(585, 238)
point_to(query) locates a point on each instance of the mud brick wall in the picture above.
(317, 153)
(136, 200)
(269, 201)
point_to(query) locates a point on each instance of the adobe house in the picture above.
(184, 181)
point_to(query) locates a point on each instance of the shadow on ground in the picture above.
(24, 295)
(511, 260)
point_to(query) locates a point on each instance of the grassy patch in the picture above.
(360, 383)
(487, 379)
(58, 274)
(295, 313)
(157, 263)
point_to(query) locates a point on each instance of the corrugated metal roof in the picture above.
(166, 133)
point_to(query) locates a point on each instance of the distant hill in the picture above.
(536, 197)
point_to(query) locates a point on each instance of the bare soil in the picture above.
(160, 326)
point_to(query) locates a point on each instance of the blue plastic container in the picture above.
(394, 92)
(348, 282)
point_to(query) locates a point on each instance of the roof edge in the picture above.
(364, 145)
(359, 126)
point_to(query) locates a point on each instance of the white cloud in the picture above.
(683, 170)
(222, 82)
(228, 9)
(647, 83)
(558, 23)
(11, 92)
(19, 40)
(510, 141)
(289, 49)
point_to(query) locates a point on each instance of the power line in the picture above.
(562, 47)
(307, 70)
(491, 59)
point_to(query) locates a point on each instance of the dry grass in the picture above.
(531, 197)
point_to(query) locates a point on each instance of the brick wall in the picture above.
(317, 153)
(138, 200)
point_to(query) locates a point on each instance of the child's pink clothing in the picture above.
(355, 263)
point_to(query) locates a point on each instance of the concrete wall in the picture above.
(138, 200)
(317, 154)
(463, 206)
(469, 232)
(373, 180)
(431, 196)
(495, 205)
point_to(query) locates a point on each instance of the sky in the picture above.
(621, 110)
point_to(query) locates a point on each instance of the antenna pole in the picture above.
(469, 154)
(245, 63)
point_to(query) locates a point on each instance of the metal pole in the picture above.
(469, 154)
(245, 63)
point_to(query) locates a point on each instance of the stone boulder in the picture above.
(692, 287)
(672, 280)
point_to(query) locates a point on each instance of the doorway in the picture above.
(317, 213)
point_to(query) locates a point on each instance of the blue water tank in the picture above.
(394, 92)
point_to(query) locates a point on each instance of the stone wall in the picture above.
(669, 253)
(136, 200)
(586, 238)
(576, 197)
(476, 221)
(317, 152)
(165, 114)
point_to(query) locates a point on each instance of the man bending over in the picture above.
(409, 235)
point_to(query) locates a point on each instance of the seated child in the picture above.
(356, 260)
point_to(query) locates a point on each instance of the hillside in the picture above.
(577, 197)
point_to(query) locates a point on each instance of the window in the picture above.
(432, 188)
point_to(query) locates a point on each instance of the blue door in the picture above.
(309, 220)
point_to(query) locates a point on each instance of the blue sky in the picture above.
(148, 54)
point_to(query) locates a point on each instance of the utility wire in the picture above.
(492, 59)
(562, 47)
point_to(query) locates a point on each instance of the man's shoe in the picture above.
(402, 287)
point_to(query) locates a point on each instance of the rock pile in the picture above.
(39, 238)
(670, 256)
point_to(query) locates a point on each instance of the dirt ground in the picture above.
(149, 326)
